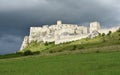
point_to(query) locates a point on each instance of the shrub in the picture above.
(119, 39)
(109, 33)
(74, 47)
(103, 34)
(51, 51)
(59, 50)
(97, 51)
(118, 34)
(87, 39)
(19, 53)
(28, 52)
(100, 34)
(36, 52)
(80, 47)
(46, 44)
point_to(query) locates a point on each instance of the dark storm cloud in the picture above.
(8, 43)
(16, 16)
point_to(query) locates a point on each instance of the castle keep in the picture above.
(62, 33)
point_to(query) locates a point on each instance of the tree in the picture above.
(36, 52)
(103, 37)
(118, 34)
(103, 34)
(28, 52)
(74, 47)
(46, 44)
(109, 33)
(100, 34)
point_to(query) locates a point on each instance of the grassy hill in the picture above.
(73, 64)
(97, 56)
(100, 42)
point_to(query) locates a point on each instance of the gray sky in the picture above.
(16, 16)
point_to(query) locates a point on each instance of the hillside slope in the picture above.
(73, 64)
(111, 41)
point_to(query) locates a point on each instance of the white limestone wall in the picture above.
(48, 40)
(94, 26)
(113, 29)
(25, 42)
(59, 22)
(69, 39)
(70, 31)
(37, 33)
(34, 33)
(85, 30)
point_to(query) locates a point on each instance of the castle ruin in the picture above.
(60, 33)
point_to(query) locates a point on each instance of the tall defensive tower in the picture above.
(59, 22)
(94, 26)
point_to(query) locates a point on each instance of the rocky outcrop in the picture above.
(25, 42)
(93, 34)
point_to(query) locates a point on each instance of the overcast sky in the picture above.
(16, 16)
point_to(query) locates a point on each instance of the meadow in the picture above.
(96, 56)
(101, 43)
(72, 64)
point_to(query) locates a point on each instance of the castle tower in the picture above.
(59, 22)
(94, 26)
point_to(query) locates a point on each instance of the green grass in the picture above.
(73, 64)
(111, 44)
(97, 56)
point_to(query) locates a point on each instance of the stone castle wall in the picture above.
(94, 26)
(113, 29)
(59, 33)
(25, 42)
(70, 38)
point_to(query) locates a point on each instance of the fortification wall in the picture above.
(59, 33)
(113, 29)
(69, 39)
(94, 26)
(48, 40)
(25, 42)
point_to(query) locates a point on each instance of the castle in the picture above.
(61, 33)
